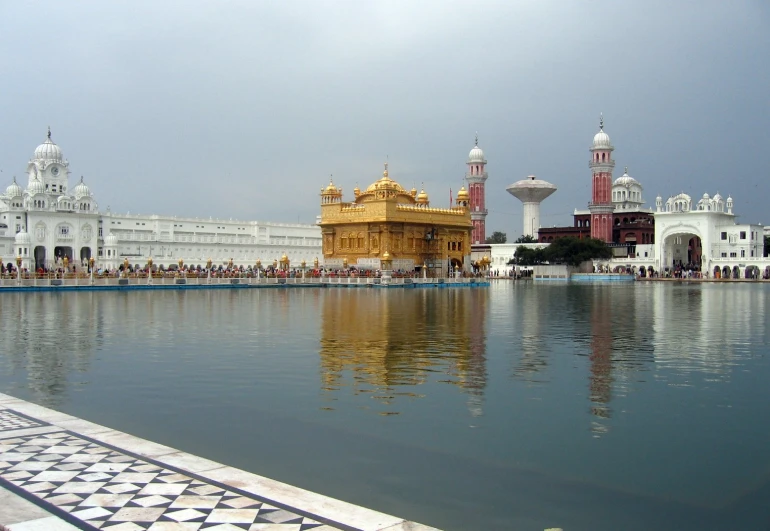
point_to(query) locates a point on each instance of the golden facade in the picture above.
(386, 222)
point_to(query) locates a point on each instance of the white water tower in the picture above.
(531, 192)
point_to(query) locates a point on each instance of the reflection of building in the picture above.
(600, 377)
(48, 221)
(721, 324)
(390, 341)
(385, 218)
(48, 338)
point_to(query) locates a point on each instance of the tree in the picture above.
(497, 237)
(574, 251)
(527, 238)
(527, 256)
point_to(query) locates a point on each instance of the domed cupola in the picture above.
(81, 190)
(463, 195)
(14, 190)
(476, 154)
(601, 139)
(422, 198)
(36, 187)
(111, 239)
(48, 150)
(625, 179)
(331, 194)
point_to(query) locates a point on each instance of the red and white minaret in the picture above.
(476, 176)
(601, 165)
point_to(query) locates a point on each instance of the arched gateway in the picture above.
(682, 247)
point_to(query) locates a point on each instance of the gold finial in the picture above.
(385, 173)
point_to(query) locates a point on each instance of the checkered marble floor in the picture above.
(95, 486)
(15, 421)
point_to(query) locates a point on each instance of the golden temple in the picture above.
(387, 227)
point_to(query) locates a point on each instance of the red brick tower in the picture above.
(601, 165)
(476, 176)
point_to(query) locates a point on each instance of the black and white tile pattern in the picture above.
(101, 487)
(16, 421)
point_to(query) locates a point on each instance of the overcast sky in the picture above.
(244, 108)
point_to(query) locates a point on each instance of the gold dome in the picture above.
(386, 255)
(422, 197)
(386, 183)
(413, 192)
(284, 258)
(331, 189)
(463, 195)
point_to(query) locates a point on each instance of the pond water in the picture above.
(518, 406)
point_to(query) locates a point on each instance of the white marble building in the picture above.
(47, 221)
(706, 230)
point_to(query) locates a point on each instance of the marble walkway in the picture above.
(58, 472)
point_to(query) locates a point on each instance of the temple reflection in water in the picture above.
(47, 340)
(386, 345)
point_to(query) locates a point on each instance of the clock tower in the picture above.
(49, 167)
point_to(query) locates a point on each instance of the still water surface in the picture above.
(523, 406)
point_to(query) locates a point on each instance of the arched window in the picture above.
(603, 155)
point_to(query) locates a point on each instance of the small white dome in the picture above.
(111, 239)
(729, 199)
(706, 196)
(476, 154)
(625, 180)
(36, 187)
(48, 150)
(14, 190)
(717, 197)
(22, 238)
(658, 199)
(81, 190)
(601, 139)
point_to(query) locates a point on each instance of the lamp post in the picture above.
(149, 271)
(181, 270)
(18, 270)
(303, 264)
(91, 262)
(259, 268)
(125, 266)
(315, 263)
(208, 270)
(457, 271)
(66, 265)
